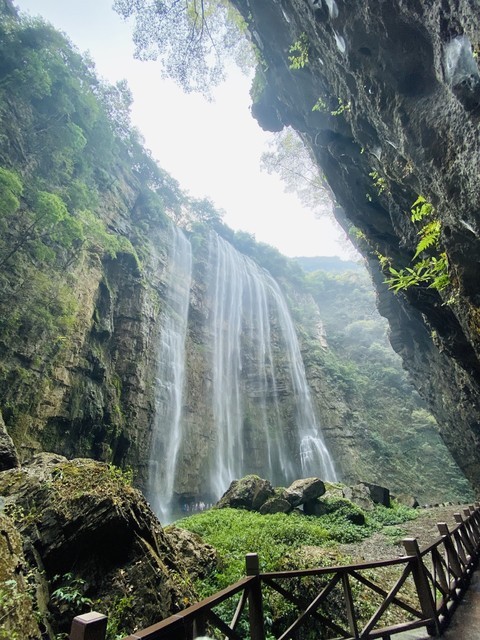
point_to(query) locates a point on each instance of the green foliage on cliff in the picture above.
(432, 269)
(77, 192)
(298, 57)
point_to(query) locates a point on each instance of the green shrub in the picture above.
(396, 514)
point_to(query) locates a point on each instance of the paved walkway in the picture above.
(465, 623)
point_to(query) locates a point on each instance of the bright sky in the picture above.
(212, 148)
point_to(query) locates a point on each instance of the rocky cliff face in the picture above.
(396, 91)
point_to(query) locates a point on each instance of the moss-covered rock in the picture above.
(17, 616)
(90, 536)
(248, 493)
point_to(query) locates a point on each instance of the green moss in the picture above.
(71, 481)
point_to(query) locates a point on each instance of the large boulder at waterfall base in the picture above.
(379, 495)
(359, 494)
(276, 504)
(86, 531)
(304, 490)
(249, 493)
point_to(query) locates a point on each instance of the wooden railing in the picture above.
(345, 602)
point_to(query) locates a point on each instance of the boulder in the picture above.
(84, 528)
(407, 500)
(379, 495)
(315, 508)
(198, 558)
(249, 493)
(359, 494)
(277, 504)
(303, 490)
(8, 454)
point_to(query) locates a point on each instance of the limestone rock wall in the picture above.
(394, 105)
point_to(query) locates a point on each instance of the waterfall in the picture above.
(167, 433)
(252, 428)
(315, 459)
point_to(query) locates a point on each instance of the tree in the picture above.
(290, 159)
(11, 189)
(191, 38)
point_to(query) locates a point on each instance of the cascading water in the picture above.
(240, 330)
(167, 431)
(250, 422)
(315, 458)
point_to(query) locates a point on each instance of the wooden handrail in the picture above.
(441, 573)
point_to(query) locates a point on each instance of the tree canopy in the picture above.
(192, 39)
(290, 159)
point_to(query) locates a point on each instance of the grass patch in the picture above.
(292, 541)
(235, 532)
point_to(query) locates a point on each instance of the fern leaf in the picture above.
(421, 209)
(430, 235)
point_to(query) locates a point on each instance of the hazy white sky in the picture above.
(212, 148)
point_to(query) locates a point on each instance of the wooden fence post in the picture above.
(465, 535)
(474, 532)
(452, 554)
(255, 605)
(89, 626)
(476, 518)
(425, 597)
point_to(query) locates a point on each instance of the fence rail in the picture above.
(425, 591)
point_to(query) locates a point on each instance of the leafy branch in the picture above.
(432, 270)
(299, 51)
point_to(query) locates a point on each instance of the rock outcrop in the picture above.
(395, 88)
(248, 493)
(8, 453)
(304, 496)
(304, 490)
(88, 535)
